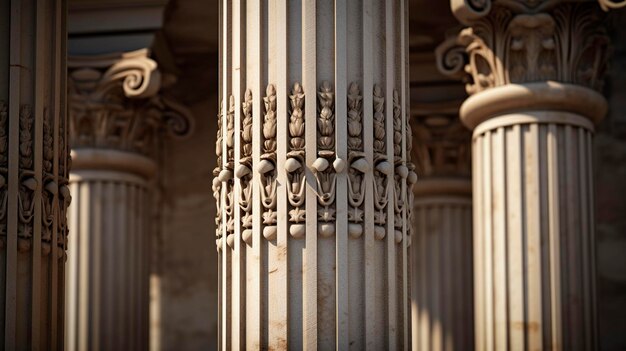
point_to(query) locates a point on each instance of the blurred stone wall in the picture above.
(610, 201)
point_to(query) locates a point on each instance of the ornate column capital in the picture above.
(442, 142)
(116, 102)
(469, 11)
(549, 54)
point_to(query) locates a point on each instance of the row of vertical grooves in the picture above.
(533, 239)
(442, 273)
(110, 268)
(302, 264)
(33, 174)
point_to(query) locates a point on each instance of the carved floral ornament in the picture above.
(115, 103)
(523, 41)
(389, 177)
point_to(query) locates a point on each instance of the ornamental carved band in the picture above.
(515, 41)
(389, 175)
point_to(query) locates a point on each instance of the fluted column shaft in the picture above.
(313, 178)
(535, 70)
(108, 277)
(441, 253)
(33, 174)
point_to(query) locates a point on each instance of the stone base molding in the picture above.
(313, 178)
(34, 166)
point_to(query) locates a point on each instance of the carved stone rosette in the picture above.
(318, 257)
(34, 167)
(534, 69)
(117, 119)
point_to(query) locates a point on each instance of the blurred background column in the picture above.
(117, 118)
(441, 247)
(535, 70)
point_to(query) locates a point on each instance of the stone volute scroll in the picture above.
(534, 71)
(119, 114)
(313, 178)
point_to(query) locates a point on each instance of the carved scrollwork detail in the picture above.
(522, 42)
(267, 166)
(294, 164)
(358, 163)
(451, 58)
(116, 103)
(137, 74)
(324, 171)
(611, 4)
(382, 168)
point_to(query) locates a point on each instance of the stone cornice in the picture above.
(116, 102)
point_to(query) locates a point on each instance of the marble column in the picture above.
(535, 69)
(313, 175)
(33, 174)
(441, 249)
(116, 120)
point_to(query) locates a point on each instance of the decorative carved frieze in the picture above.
(114, 103)
(324, 168)
(528, 41)
(55, 195)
